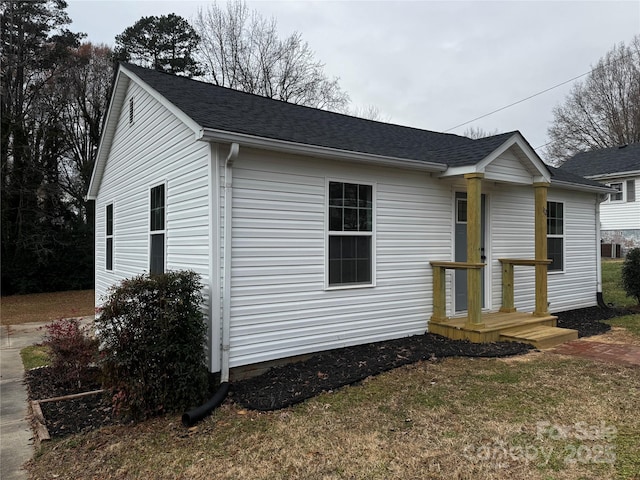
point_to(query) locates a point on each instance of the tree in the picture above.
(479, 132)
(35, 45)
(164, 43)
(54, 96)
(604, 111)
(241, 50)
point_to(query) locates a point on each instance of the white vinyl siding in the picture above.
(279, 304)
(508, 168)
(156, 148)
(622, 215)
(512, 236)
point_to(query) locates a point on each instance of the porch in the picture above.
(538, 327)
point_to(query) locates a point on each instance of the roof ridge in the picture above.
(132, 66)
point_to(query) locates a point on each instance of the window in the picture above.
(631, 190)
(461, 210)
(157, 226)
(109, 237)
(616, 197)
(350, 234)
(555, 236)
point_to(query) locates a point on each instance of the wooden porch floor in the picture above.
(498, 326)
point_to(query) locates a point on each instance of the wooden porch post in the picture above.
(474, 232)
(542, 304)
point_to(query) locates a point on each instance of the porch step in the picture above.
(539, 336)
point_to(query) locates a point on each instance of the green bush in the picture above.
(631, 274)
(153, 335)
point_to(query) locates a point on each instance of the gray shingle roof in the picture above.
(224, 109)
(229, 110)
(562, 175)
(607, 161)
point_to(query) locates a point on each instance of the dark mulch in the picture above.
(588, 320)
(77, 415)
(289, 384)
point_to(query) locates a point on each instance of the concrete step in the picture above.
(539, 336)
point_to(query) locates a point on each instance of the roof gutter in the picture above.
(246, 140)
(581, 187)
(603, 176)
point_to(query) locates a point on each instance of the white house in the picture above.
(619, 168)
(314, 230)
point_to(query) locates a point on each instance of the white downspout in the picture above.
(599, 199)
(226, 288)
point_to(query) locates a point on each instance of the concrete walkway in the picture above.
(16, 436)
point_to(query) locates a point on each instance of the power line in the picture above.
(519, 101)
(622, 57)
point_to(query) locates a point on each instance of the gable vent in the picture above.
(131, 111)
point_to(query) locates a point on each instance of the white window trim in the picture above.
(157, 232)
(563, 237)
(112, 236)
(622, 191)
(371, 234)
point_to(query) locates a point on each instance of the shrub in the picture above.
(153, 335)
(631, 274)
(72, 349)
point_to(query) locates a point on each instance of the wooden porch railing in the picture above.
(440, 293)
(508, 283)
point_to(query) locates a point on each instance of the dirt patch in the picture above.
(43, 307)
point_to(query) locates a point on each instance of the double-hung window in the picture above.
(350, 234)
(616, 197)
(157, 230)
(555, 236)
(109, 237)
(631, 190)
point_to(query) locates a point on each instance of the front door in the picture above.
(460, 288)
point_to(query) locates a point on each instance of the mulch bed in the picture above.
(289, 384)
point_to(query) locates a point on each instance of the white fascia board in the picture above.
(632, 173)
(517, 140)
(104, 147)
(184, 118)
(123, 78)
(460, 171)
(581, 187)
(246, 140)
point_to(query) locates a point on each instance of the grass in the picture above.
(613, 292)
(459, 418)
(43, 307)
(539, 416)
(34, 356)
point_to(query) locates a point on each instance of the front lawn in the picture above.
(539, 416)
(44, 307)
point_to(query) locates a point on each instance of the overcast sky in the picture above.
(427, 64)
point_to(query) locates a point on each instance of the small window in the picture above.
(631, 190)
(555, 236)
(461, 210)
(350, 234)
(616, 197)
(157, 230)
(109, 237)
(131, 111)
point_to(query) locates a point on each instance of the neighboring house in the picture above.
(314, 230)
(619, 168)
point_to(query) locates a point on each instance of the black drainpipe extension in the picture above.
(192, 417)
(601, 302)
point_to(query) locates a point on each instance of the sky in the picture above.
(429, 64)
